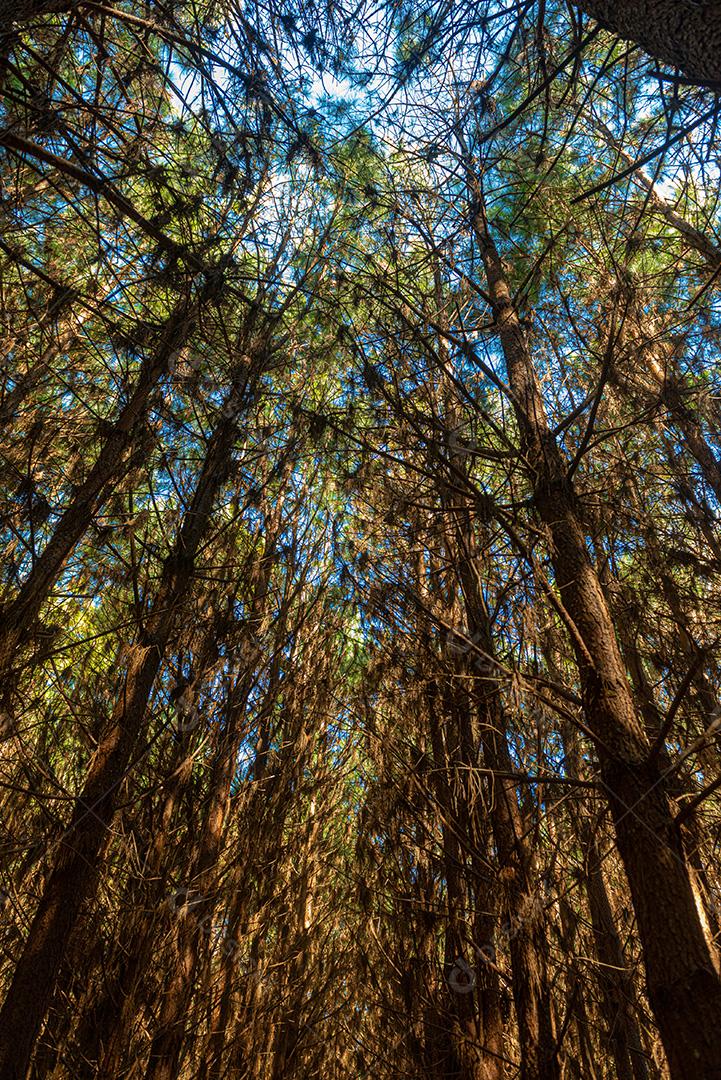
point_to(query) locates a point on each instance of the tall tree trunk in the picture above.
(474, 1048)
(619, 1005)
(683, 987)
(268, 809)
(20, 613)
(73, 878)
(615, 983)
(167, 1042)
(478, 1014)
(523, 907)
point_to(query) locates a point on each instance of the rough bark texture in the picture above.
(683, 987)
(615, 983)
(474, 714)
(21, 13)
(523, 907)
(678, 33)
(167, 1042)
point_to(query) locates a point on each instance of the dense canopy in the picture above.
(360, 505)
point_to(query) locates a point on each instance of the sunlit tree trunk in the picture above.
(684, 988)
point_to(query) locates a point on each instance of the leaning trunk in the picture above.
(73, 879)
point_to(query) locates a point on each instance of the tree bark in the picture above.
(19, 615)
(684, 988)
(167, 1042)
(678, 33)
(615, 983)
(523, 910)
(73, 878)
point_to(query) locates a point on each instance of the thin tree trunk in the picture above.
(524, 909)
(167, 1043)
(618, 996)
(479, 1013)
(525, 912)
(475, 1048)
(20, 613)
(617, 991)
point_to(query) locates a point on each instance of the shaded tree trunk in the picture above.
(73, 879)
(26, 10)
(680, 34)
(20, 613)
(617, 990)
(167, 1043)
